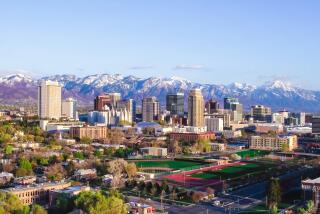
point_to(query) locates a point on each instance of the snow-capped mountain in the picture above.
(19, 88)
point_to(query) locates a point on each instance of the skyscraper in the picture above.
(49, 100)
(235, 107)
(212, 106)
(261, 113)
(175, 103)
(69, 109)
(195, 108)
(109, 99)
(150, 109)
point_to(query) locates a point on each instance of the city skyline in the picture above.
(206, 41)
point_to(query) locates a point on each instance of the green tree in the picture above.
(8, 150)
(78, 155)
(85, 140)
(37, 209)
(273, 193)
(98, 153)
(11, 204)
(24, 169)
(64, 203)
(97, 203)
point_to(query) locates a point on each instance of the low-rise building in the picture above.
(154, 151)
(311, 189)
(218, 146)
(85, 174)
(278, 143)
(37, 193)
(5, 177)
(92, 132)
(25, 180)
(69, 192)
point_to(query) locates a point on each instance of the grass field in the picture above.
(252, 153)
(231, 172)
(172, 164)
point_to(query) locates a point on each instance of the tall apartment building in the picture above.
(175, 103)
(107, 99)
(261, 113)
(49, 100)
(195, 108)
(212, 106)
(92, 132)
(150, 109)
(69, 109)
(279, 143)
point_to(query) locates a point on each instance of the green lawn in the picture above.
(232, 172)
(172, 164)
(252, 153)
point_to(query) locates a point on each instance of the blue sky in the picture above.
(203, 41)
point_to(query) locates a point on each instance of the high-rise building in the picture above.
(49, 100)
(227, 101)
(261, 113)
(129, 105)
(212, 106)
(150, 109)
(175, 103)
(214, 124)
(235, 107)
(315, 125)
(109, 99)
(69, 109)
(195, 108)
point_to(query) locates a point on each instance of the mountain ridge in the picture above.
(276, 94)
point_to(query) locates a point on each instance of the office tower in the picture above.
(107, 99)
(235, 107)
(69, 109)
(227, 101)
(301, 118)
(129, 105)
(212, 106)
(195, 108)
(150, 109)
(261, 113)
(175, 103)
(315, 125)
(49, 100)
(214, 124)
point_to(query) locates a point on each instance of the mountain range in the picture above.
(22, 89)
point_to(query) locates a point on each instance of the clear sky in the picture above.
(204, 41)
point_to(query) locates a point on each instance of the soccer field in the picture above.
(252, 153)
(172, 164)
(231, 172)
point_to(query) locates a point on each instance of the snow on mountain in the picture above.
(15, 78)
(276, 94)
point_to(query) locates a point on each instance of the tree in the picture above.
(273, 193)
(235, 157)
(8, 150)
(203, 145)
(85, 140)
(117, 168)
(98, 153)
(174, 147)
(11, 204)
(25, 168)
(310, 206)
(97, 203)
(37, 209)
(64, 203)
(78, 155)
(55, 172)
(273, 209)
(131, 170)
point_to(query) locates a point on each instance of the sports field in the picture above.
(230, 172)
(172, 164)
(252, 153)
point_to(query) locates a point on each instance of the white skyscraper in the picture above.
(69, 109)
(49, 100)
